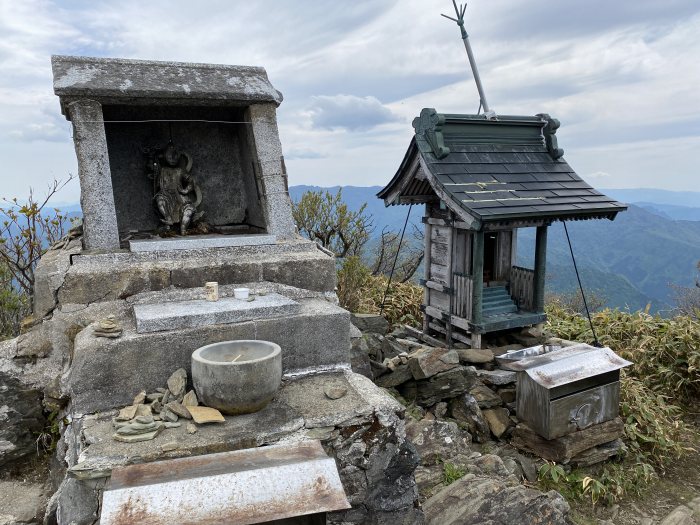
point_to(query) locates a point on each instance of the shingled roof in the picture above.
(494, 171)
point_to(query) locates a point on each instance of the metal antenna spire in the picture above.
(459, 11)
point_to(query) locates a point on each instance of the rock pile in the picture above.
(460, 383)
(150, 414)
(460, 413)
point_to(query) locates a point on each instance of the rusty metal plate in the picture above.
(567, 366)
(241, 487)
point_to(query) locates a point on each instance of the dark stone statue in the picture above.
(176, 193)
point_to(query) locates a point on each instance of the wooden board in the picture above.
(440, 234)
(566, 447)
(438, 273)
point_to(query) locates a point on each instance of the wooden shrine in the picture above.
(481, 179)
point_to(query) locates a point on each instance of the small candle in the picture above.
(212, 291)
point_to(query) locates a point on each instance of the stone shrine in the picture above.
(182, 183)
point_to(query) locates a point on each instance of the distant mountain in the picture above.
(631, 260)
(677, 213)
(650, 195)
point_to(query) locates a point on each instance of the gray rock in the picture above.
(398, 376)
(76, 502)
(370, 323)
(190, 399)
(21, 502)
(335, 392)
(177, 382)
(140, 398)
(465, 408)
(498, 420)
(475, 356)
(167, 415)
(436, 440)
(359, 356)
(391, 348)
(497, 377)
(490, 465)
(134, 438)
(528, 467)
(178, 409)
(486, 397)
(21, 419)
(379, 369)
(444, 385)
(481, 500)
(374, 346)
(507, 395)
(681, 515)
(426, 362)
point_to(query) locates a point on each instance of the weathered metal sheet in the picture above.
(241, 487)
(583, 409)
(576, 366)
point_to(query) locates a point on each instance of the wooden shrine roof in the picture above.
(494, 171)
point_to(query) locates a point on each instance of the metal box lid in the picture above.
(569, 364)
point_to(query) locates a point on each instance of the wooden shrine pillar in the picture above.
(540, 268)
(478, 276)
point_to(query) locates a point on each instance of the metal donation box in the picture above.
(568, 389)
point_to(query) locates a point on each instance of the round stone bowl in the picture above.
(237, 377)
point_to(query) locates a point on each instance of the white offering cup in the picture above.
(241, 293)
(212, 291)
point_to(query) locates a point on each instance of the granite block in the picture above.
(199, 242)
(118, 78)
(176, 315)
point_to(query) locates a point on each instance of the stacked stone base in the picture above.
(363, 430)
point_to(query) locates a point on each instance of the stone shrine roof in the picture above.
(494, 171)
(124, 81)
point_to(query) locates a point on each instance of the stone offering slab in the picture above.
(178, 315)
(200, 242)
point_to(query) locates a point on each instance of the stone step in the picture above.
(108, 373)
(91, 277)
(200, 242)
(175, 315)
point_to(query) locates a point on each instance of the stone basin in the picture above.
(237, 377)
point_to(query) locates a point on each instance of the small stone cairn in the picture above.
(108, 327)
(150, 414)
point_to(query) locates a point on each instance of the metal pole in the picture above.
(470, 54)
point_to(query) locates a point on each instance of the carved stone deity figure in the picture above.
(176, 193)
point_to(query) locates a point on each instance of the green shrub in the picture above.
(665, 352)
(451, 473)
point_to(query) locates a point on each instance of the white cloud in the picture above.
(354, 74)
(348, 112)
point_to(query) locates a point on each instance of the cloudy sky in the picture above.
(623, 77)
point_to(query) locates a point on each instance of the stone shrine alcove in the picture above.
(223, 166)
(224, 185)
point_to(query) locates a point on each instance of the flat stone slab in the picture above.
(200, 242)
(299, 411)
(119, 79)
(176, 315)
